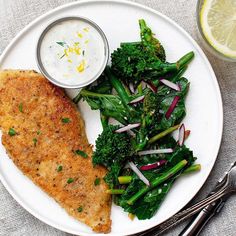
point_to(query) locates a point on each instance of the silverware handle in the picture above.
(195, 226)
(183, 215)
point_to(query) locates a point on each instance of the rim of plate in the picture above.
(194, 43)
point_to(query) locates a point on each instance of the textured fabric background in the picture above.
(16, 14)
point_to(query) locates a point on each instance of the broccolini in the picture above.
(115, 95)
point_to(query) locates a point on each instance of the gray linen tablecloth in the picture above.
(16, 14)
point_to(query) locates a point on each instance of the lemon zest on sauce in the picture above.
(65, 52)
(81, 66)
(80, 35)
(75, 49)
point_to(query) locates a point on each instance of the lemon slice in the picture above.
(218, 22)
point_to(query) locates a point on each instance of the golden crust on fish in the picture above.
(49, 130)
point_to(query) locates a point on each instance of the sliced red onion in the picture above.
(131, 133)
(153, 165)
(144, 84)
(172, 106)
(152, 87)
(170, 84)
(181, 134)
(139, 173)
(186, 134)
(127, 127)
(131, 87)
(157, 151)
(179, 87)
(136, 100)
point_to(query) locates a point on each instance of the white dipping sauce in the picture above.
(73, 52)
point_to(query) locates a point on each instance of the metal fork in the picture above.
(225, 188)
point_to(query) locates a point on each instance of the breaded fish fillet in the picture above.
(44, 135)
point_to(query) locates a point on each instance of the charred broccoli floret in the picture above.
(145, 60)
(112, 151)
(151, 43)
(134, 63)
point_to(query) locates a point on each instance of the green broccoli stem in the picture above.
(179, 74)
(142, 143)
(183, 61)
(162, 134)
(192, 168)
(84, 92)
(120, 89)
(157, 181)
(124, 179)
(104, 120)
(175, 77)
(115, 191)
(142, 138)
(130, 43)
(159, 68)
(118, 86)
(146, 120)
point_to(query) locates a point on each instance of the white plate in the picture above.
(119, 20)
